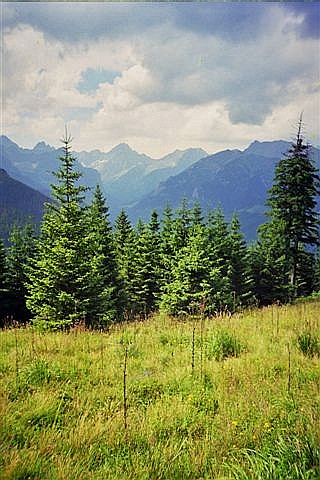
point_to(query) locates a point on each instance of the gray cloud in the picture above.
(72, 21)
(231, 21)
(246, 59)
(245, 20)
(251, 78)
(310, 26)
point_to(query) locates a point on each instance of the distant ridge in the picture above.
(34, 166)
(19, 204)
(237, 181)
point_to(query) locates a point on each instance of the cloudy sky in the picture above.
(159, 76)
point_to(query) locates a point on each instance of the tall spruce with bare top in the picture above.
(292, 200)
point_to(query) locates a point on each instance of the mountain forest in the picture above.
(81, 269)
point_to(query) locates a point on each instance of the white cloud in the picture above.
(175, 87)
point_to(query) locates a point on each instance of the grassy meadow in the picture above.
(231, 397)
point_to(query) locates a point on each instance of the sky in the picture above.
(159, 76)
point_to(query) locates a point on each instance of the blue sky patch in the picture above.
(91, 79)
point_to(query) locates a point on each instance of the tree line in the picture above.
(83, 269)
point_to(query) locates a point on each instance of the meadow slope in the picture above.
(231, 397)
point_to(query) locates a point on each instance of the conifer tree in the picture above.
(268, 264)
(196, 217)
(292, 199)
(123, 232)
(182, 225)
(107, 303)
(239, 271)
(124, 239)
(219, 253)
(61, 281)
(20, 254)
(2, 265)
(145, 280)
(3, 282)
(167, 247)
(189, 286)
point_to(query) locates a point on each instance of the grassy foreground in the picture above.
(157, 400)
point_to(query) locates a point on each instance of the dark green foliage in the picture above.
(124, 239)
(62, 283)
(240, 275)
(182, 225)
(309, 344)
(3, 278)
(108, 302)
(184, 257)
(207, 267)
(184, 263)
(269, 265)
(166, 247)
(19, 256)
(292, 199)
(2, 265)
(223, 345)
(145, 280)
(219, 253)
(190, 270)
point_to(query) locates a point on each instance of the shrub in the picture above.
(308, 344)
(222, 346)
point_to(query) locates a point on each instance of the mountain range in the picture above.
(34, 167)
(19, 204)
(232, 179)
(127, 176)
(235, 180)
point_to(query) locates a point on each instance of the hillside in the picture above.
(233, 179)
(230, 397)
(18, 204)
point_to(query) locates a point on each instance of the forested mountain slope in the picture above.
(18, 204)
(234, 180)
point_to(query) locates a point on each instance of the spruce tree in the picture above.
(3, 283)
(167, 247)
(61, 281)
(19, 256)
(123, 232)
(2, 265)
(182, 225)
(269, 265)
(292, 199)
(124, 239)
(189, 286)
(107, 303)
(219, 254)
(145, 279)
(239, 269)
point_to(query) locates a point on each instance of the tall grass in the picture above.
(158, 400)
